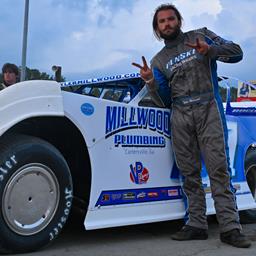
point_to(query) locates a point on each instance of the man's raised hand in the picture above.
(201, 46)
(145, 72)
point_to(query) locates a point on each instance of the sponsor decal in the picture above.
(164, 191)
(116, 196)
(87, 109)
(138, 173)
(129, 196)
(249, 111)
(173, 192)
(139, 141)
(152, 194)
(141, 195)
(106, 197)
(181, 59)
(121, 118)
(100, 79)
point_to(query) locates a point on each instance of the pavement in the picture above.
(142, 240)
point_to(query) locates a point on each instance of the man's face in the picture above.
(168, 25)
(9, 77)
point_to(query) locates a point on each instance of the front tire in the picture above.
(35, 193)
(249, 216)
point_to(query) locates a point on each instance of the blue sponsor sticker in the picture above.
(143, 195)
(87, 109)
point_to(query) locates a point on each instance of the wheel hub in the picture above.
(30, 199)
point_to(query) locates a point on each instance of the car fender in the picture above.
(29, 99)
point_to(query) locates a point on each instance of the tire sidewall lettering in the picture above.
(7, 166)
(60, 224)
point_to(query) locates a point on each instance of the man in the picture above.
(10, 75)
(187, 67)
(244, 90)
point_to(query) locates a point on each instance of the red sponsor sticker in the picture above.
(152, 194)
(173, 192)
(106, 197)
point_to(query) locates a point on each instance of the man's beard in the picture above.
(171, 36)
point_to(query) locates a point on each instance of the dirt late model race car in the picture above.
(103, 142)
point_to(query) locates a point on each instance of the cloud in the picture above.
(104, 39)
(90, 38)
(11, 25)
(112, 38)
(235, 22)
(198, 12)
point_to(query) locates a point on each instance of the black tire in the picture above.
(35, 193)
(249, 216)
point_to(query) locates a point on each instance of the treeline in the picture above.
(35, 74)
(223, 93)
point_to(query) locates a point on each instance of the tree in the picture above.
(223, 94)
(35, 74)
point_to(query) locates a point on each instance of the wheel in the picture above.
(35, 193)
(249, 216)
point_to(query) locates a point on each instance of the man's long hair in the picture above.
(164, 7)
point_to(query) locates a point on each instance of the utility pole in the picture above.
(24, 44)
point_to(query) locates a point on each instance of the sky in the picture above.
(91, 38)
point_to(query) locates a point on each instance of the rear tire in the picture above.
(249, 216)
(35, 193)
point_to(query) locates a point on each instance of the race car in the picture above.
(105, 143)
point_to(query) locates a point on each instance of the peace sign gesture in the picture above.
(145, 72)
(201, 46)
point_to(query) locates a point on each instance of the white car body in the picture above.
(123, 140)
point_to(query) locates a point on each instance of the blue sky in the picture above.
(91, 38)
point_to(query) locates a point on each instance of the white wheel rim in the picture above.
(30, 199)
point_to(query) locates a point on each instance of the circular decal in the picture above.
(138, 173)
(87, 109)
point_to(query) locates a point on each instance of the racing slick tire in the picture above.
(249, 216)
(35, 193)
